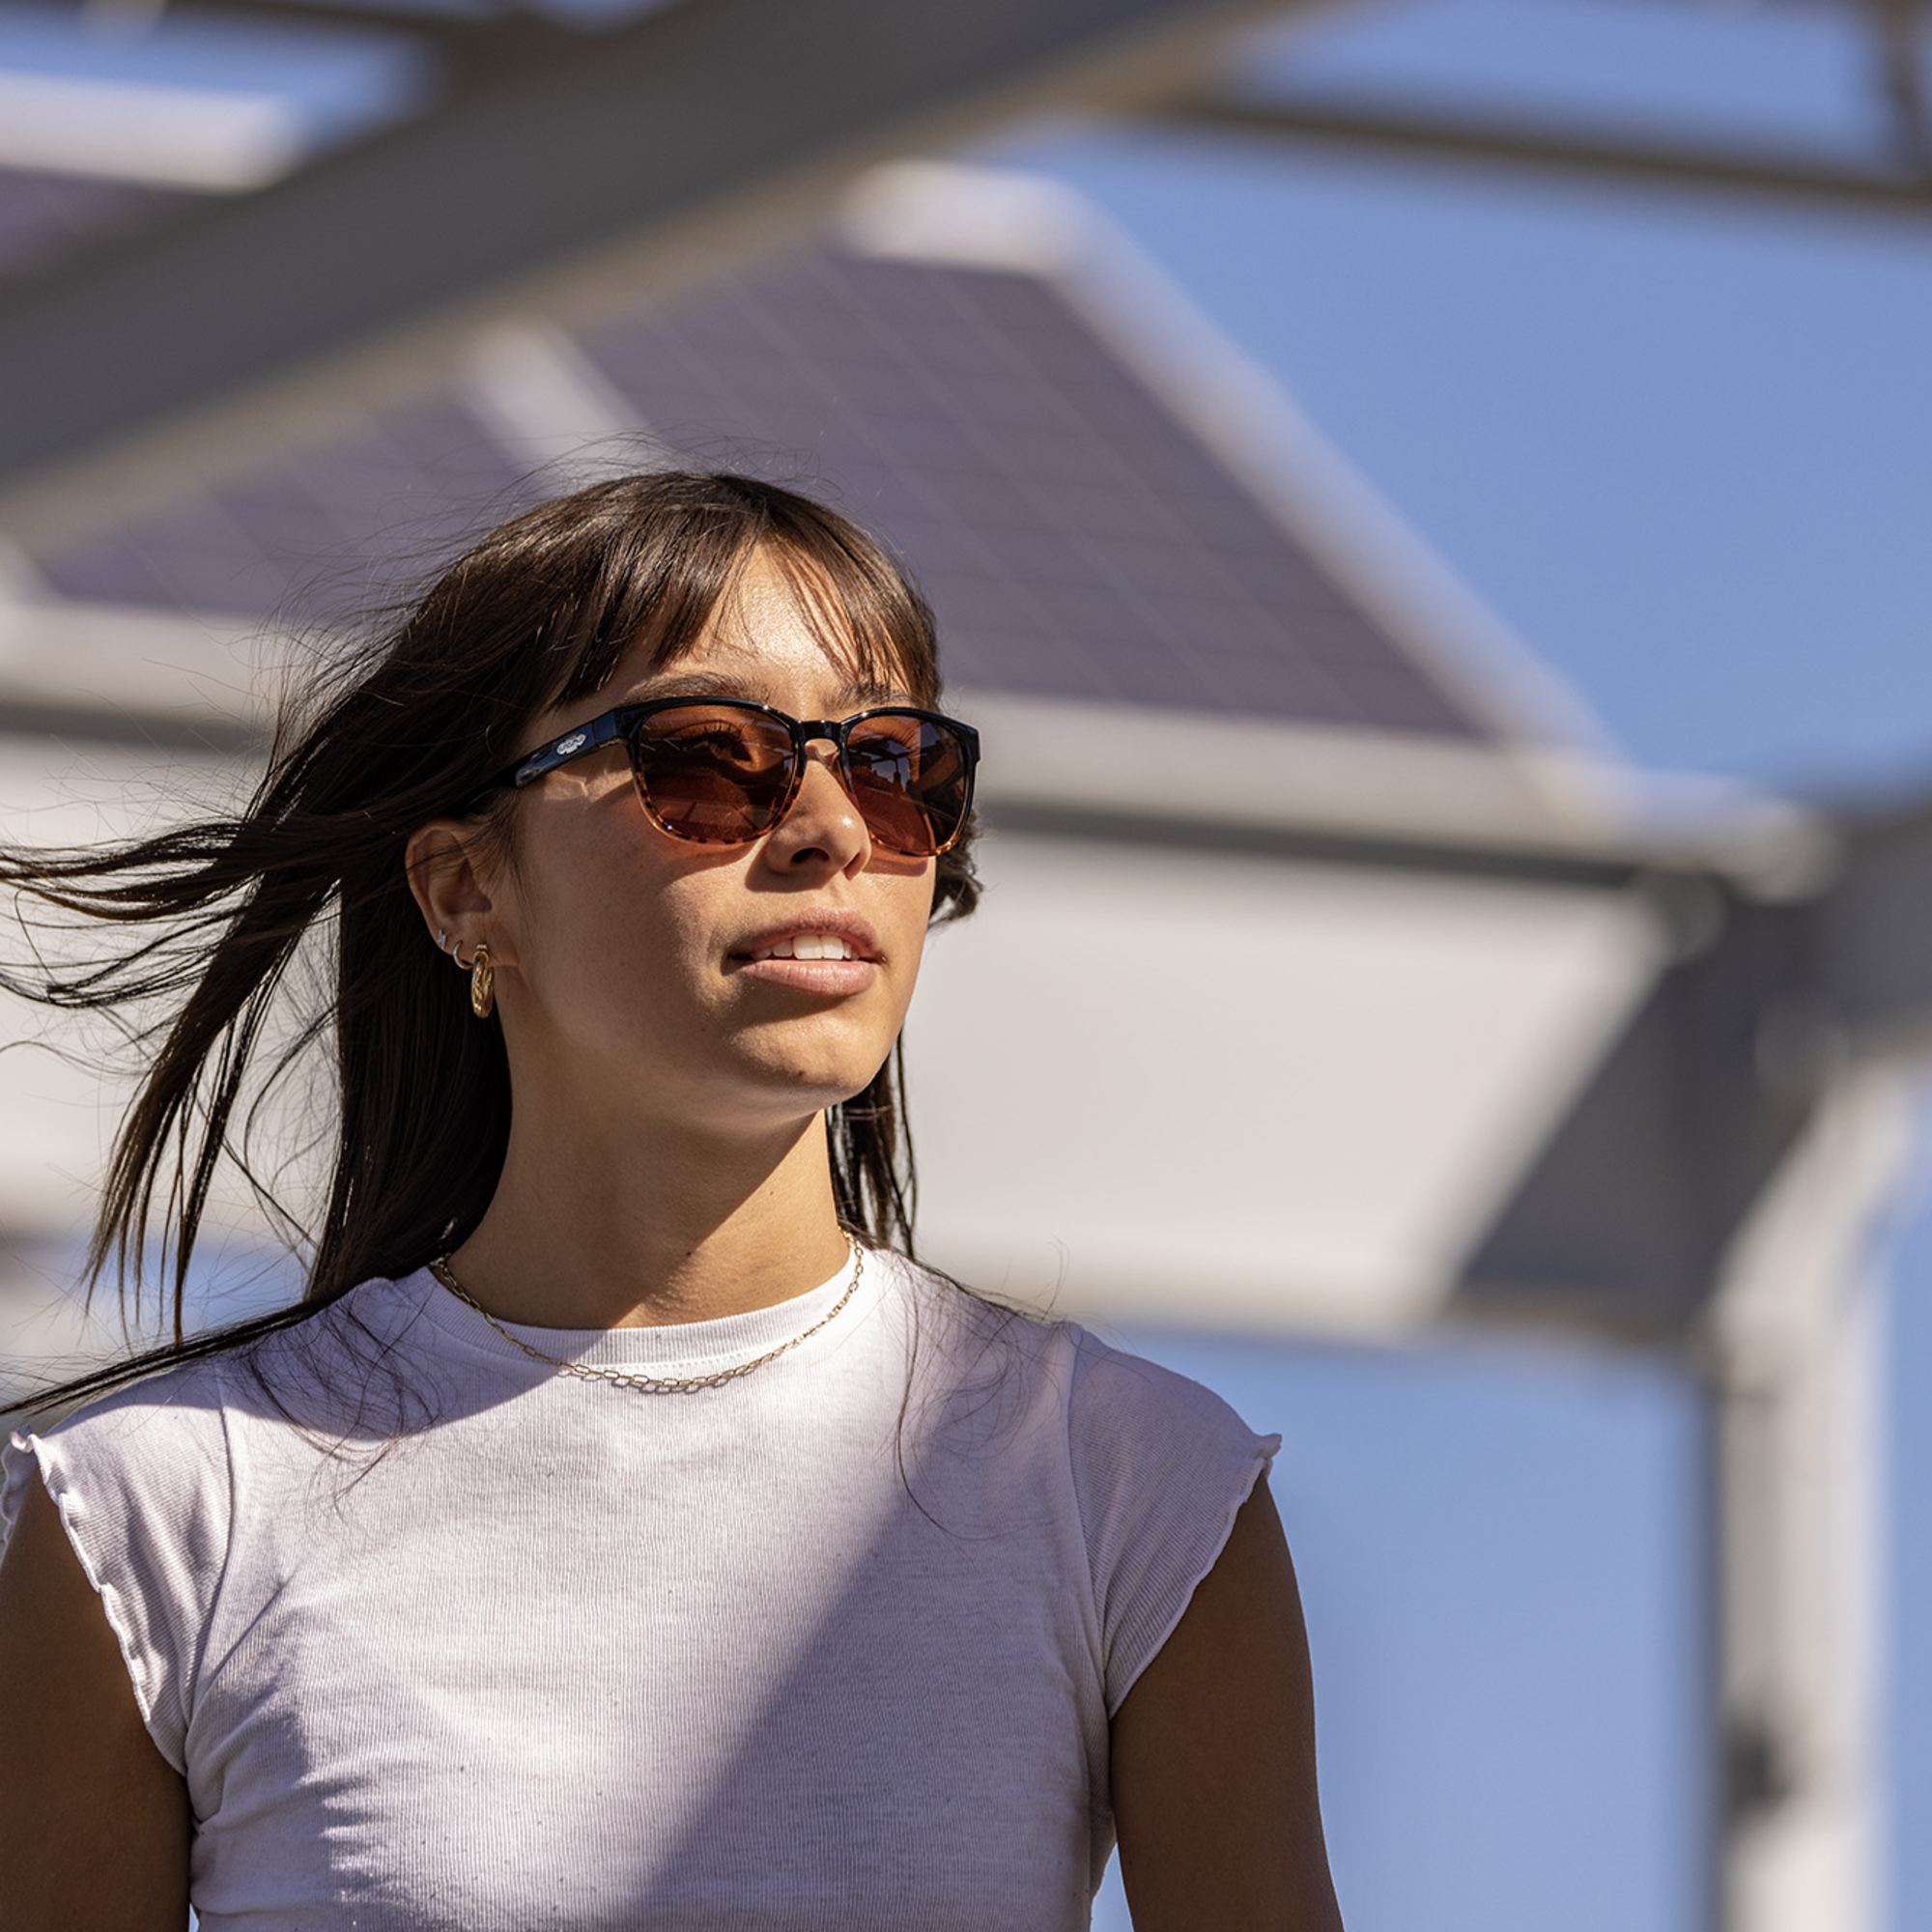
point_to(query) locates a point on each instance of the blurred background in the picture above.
(1429, 503)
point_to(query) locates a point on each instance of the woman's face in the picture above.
(644, 976)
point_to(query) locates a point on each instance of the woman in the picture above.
(621, 1532)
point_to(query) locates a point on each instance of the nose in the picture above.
(824, 830)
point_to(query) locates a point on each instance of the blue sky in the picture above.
(1496, 1553)
(1684, 448)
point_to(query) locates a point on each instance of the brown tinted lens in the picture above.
(908, 776)
(712, 774)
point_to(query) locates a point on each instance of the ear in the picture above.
(447, 885)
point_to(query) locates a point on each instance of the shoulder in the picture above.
(161, 1436)
(164, 1442)
(1146, 1442)
(144, 1482)
(1113, 1387)
(1115, 1407)
(140, 1483)
(1157, 1465)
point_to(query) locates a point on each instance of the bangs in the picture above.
(659, 582)
(866, 625)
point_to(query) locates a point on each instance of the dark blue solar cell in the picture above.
(1077, 538)
(325, 532)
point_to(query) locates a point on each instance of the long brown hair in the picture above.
(537, 613)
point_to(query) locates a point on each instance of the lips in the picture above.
(828, 953)
(820, 935)
(807, 946)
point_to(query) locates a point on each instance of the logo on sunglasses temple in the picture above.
(574, 743)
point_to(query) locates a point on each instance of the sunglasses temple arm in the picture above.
(600, 731)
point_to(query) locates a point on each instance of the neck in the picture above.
(637, 1229)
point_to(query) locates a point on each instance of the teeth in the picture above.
(808, 946)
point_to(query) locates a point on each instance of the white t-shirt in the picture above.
(442, 1640)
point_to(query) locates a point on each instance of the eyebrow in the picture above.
(673, 682)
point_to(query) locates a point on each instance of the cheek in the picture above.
(596, 909)
(617, 971)
(908, 903)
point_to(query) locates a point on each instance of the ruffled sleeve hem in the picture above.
(28, 1455)
(1132, 1656)
(17, 1471)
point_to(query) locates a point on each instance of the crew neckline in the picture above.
(668, 1347)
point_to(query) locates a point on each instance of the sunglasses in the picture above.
(724, 771)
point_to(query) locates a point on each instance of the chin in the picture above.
(820, 1056)
(830, 1087)
(787, 1076)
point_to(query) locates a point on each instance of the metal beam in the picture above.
(1624, 1218)
(1900, 27)
(1379, 127)
(530, 162)
(1875, 939)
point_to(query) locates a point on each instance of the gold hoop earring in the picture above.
(482, 984)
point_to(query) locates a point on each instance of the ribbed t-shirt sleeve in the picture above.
(1161, 1466)
(141, 1481)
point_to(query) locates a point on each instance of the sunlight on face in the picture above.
(724, 987)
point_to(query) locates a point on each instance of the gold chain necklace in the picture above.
(590, 1372)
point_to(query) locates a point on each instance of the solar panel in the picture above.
(1078, 539)
(322, 534)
